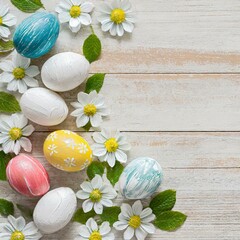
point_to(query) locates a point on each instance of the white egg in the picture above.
(43, 106)
(65, 71)
(55, 210)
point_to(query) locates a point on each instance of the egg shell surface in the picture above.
(27, 176)
(140, 178)
(55, 210)
(36, 35)
(67, 151)
(65, 71)
(43, 106)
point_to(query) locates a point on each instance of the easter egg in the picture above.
(43, 106)
(65, 71)
(67, 151)
(36, 35)
(140, 178)
(55, 210)
(27, 176)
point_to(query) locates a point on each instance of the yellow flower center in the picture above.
(19, 73)
(134, 222)
(1, 21)
(15, 133)
(90, 109)
(118, 15)
(95, 195)
(75, 11)
(95, 235)
(17, 236)
(111, 145)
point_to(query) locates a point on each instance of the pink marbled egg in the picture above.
(27, 176)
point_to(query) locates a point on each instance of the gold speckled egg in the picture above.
(67, 151)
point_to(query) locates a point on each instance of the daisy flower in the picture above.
(17, 229)
(117, 17)
(96, 195)
(110, 147)
(13, 132)
(90, 107)
(6, 20)
(18, 74)
(94, 232)
(136, 220)
(75, 12)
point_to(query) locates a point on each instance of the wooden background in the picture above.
(173, 87)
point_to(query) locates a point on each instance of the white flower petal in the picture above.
(99, 150)
(128, 26)
(17, 147)
(28, 130)
(4, 138)
(109, 236)
(30, 229)
(120, 30)
(6, 77)
(97, 182)
(30, 82)
(108, 192)
(8, 146)
(103, 111)
(74, 24)
(98, 137)
(111, 159)
(83, 98)
(32, 71)
(4, 32)
(4, 10)
(104, 228)
(98, 208)
(146, 212)
(20, 61)
(128, 234)
(76, 2)
(64, 17)
(106, 202)
(105, 8)
(85, 19)
(148, 227)
(121, 156)
(149, 218)
(126, 5)
(82, 195)
(107, 25)
(82, 121)
(20, 223)
(84, 231)
(103, 17)
(137, 208)
(120, 225)
(126, 210)
(9, 20)
(12, 86)
(91, 223)
(86, 187)
(113, 30)
(77, 105)
(87, 205)
(140, 234)
(130, 17)
(19, 120)
(87, 7)
(25, 144)
(77, 113)
(96, 120)
(22, 86)
(6, 66)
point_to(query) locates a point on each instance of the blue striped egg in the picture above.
(140, 178)
(36, 35)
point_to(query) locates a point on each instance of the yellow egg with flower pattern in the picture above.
(67, 151)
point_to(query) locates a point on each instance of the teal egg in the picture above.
(141, 178)
(36, 35)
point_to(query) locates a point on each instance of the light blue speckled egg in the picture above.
(140, 178)
(36, 35)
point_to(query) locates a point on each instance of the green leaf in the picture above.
(8, 103)
(87, 126)
(28, 6)
(110, 214)
(82, 217)
(95, 82)
(6, 46)
(4, 159)
(6, 208)
(164, 201)
(170, 220)
(92, 48)
(95, 168)
(26, 211)
(113, 174)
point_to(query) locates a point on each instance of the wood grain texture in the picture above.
(176, 75)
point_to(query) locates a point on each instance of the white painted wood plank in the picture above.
(167, 103)
(170, 37)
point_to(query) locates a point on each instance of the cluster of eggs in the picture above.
(63, 149)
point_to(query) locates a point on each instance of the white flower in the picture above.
(18, 74)
(117, 17)
(17, 229)
(76, 12)
(136, 220)
(90, 107)
(6, 20)
(96, 195)
(94, 232)
(13, 133)
(110, 147)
